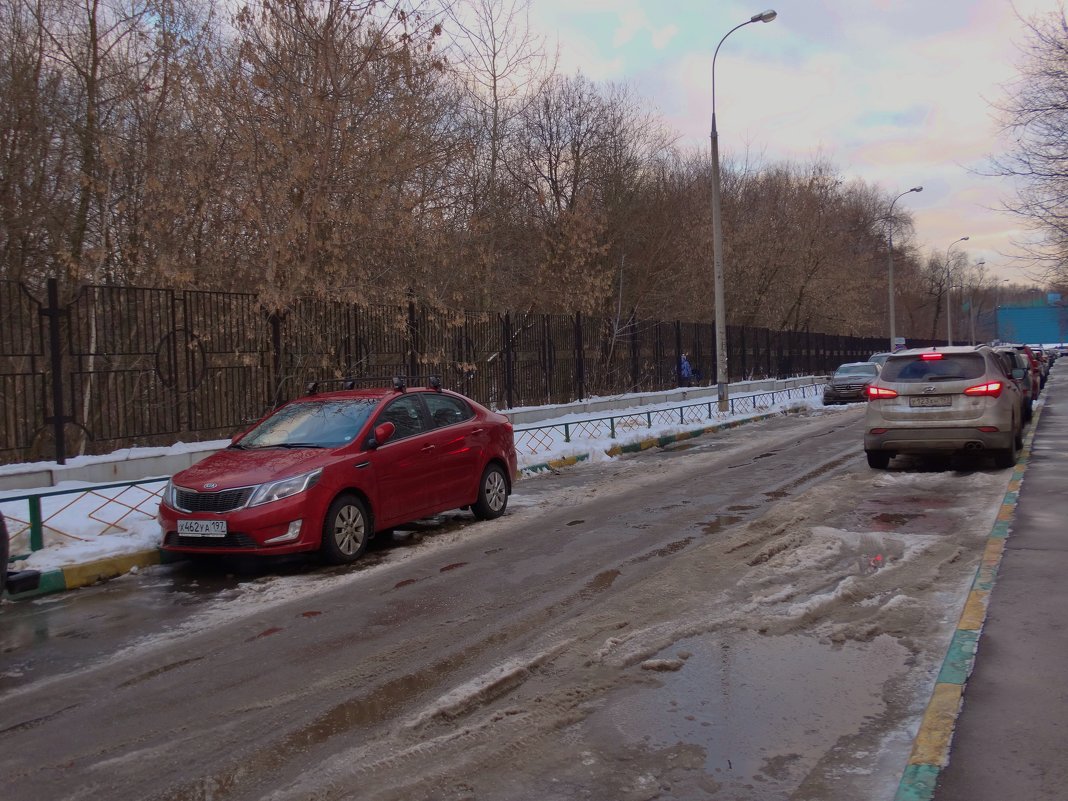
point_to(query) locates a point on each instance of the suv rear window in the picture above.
(951, 367)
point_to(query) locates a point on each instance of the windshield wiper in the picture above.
(296, 445)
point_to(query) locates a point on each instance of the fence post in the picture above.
(509, 397)
(678, 353)
(635, 347)
(275, 323)
(580, 363)
(413, 363)
(745, 367)
(58, 420)
(767, 340)
(36, 525)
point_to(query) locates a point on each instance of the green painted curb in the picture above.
(918, 783)
(960, 659)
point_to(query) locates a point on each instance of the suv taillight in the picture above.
(873, 392)
(989, 389)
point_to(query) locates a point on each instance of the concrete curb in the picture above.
(74, 576)
(930, 748)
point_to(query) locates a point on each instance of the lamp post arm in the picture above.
(715, 55)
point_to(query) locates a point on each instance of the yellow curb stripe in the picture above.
(932, 741)
(92, 572)
(974, 613)
(995, 547)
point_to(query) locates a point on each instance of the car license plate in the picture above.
(931, 400)
(202, 528)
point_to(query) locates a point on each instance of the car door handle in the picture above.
(427, 448)
(477, 430)
(361, 465)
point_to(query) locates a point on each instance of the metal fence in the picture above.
(96, 368)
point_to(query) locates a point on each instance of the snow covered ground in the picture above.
(99, 523)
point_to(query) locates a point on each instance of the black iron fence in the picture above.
(107, 367)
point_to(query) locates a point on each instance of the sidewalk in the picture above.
(1004, 727)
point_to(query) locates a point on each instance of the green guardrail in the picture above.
(534, 439)
(35, 515)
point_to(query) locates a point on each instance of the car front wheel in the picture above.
(346, 530)
(492, 494)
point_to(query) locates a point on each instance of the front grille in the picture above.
(223, 501)
(231, 540)
(848, 387)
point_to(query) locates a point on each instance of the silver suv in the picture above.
(943, 400)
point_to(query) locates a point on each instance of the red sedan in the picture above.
(326, 471)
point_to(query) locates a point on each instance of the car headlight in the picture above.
(284, 488)
(168, 493)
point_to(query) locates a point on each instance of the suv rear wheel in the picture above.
(878, 460)
(1007, 457)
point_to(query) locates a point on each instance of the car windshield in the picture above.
(860, 368)
(950, 367)
(311, 424)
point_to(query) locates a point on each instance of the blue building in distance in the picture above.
(1042, 325)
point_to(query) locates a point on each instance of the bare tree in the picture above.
(1035, 119)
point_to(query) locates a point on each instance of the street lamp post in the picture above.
(949, 294)
(971, 300)
(717, 230)
(890, 258)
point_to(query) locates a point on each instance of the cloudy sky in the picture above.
(897, 92)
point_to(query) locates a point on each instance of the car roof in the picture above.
(950, 350)
(366, 393)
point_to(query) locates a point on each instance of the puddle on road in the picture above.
(762, 709)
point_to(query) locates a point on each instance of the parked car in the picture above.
(327, 471)
(1043, 362)
(1019, 367)
(1036, 369)
(849, 381)
(943, 400)
(14, 581)
(880, 358)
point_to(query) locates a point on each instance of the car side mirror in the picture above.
(382, 433)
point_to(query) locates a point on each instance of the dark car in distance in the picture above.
(880, 358)
(849, 381)
(327, 471)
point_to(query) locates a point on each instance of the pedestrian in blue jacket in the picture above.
(685, 371)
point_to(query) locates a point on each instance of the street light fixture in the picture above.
(717, 230)
(949, 294)
(890, 258)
